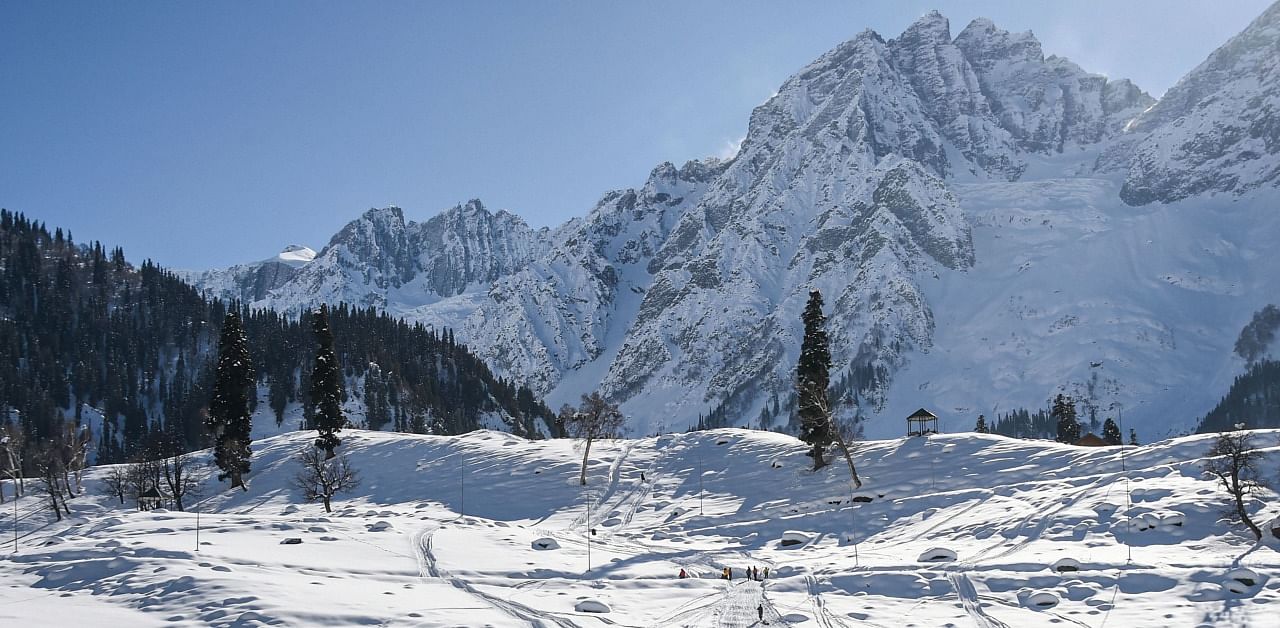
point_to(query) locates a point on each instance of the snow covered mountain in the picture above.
(964, 205)
(1218, 129)
(254, 281)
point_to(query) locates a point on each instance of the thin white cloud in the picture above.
(730, 148)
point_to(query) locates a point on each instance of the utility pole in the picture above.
(700, 509)
(462, 479)
(1128, 503)
(588, 495)
(197, 507)
(15, 517)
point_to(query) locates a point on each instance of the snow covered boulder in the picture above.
(380, 526)
(1171, 520)
(1105, 509)
(791, 538)
(937, 555)
(545, 543)
(293, 540)
(1275, 527)
(591, 605)
(1041, 599)
(1241, 581)
(1141, 523)
(1066, 564)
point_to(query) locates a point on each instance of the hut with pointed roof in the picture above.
(922, 422)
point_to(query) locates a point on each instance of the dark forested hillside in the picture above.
(1254, 399)
(83, 331)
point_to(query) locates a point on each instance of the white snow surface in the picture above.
(419, 543)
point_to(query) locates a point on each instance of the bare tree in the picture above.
(115, 482)
(843, 432)
(51, 475)
(1233, 461)
(13, 442)
(181, 472)
(143, 474)
(594, 418)
(73, 446)
(321, 478)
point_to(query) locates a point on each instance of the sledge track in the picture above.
(968, 595)
(428, 568)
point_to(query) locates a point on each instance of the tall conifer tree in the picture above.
(812, 380)
(326, 386)
(1064, 412)
(1111, 432)
(229, 420)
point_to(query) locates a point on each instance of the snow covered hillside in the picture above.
(989, 225)
(489, 529)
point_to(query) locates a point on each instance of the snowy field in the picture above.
(491, 530)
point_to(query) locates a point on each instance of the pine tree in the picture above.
(812, 380)
(229, 420)
(326, 386)
(1064, 414)
(1111, 432)
(981, 427)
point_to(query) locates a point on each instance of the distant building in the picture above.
(922, 422)
(1091, 440)
(150, 499)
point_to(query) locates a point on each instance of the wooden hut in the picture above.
(922, 422)
(150, 499)
(1091, 440)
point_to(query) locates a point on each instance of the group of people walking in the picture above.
(751, 573)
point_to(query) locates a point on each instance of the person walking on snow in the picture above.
(683, 575)
(760, 612)
(766, 573)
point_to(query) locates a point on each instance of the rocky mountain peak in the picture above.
(984, 43)
(1217, 129)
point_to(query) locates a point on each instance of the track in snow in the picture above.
(428, 568)
(968, 595)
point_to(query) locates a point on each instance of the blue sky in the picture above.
(202, 135)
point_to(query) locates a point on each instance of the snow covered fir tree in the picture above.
(954, 332)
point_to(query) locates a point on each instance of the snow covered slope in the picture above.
(1218, 129)
(961, 203)
(489, 529)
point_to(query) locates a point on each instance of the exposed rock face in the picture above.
(1218, 129)
(1046, 104)
(383, 260)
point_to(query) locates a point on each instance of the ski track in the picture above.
(968, 595)
(428, 568)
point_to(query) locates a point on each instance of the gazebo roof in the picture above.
(922, 414)
(151, 493)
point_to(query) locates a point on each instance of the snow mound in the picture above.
(792, 538)
(937, 555)
(1171, 520)
(1066, 564)
(1041, 599)
(591, 605)
(545, 543)
(1241, 581)
(380, 526)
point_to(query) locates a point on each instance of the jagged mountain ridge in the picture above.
(684, 294)
(1217, 129)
